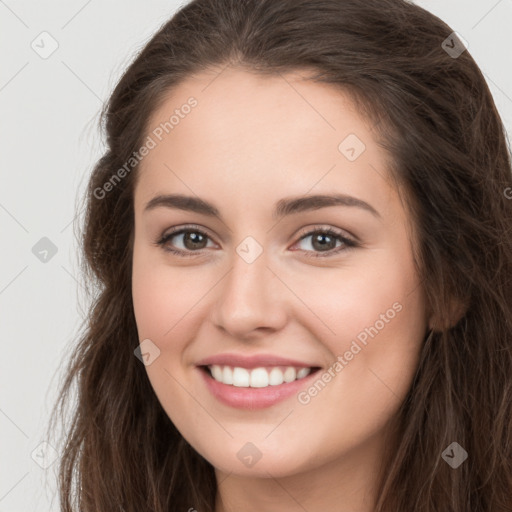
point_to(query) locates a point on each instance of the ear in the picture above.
(455, 311)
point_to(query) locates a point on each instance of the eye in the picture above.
(324, 240)
(191, 238)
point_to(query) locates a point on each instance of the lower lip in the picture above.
(253, 398)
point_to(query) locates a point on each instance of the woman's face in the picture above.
(260, 288)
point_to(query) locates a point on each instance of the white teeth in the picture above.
(241, 377)
(217, 372)
(257, 377)
(227, 375)
(303, 372)
(276, 377)
(290, 374)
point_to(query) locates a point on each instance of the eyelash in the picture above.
(348, 242)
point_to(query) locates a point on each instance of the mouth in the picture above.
(260, 377)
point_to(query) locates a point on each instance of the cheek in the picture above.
(159, 297)
(378, 320)
(378, 290)
(374, 318)
(167, 304)
(152, 303)
(160, 314)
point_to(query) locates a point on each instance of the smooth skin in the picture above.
(250, 142)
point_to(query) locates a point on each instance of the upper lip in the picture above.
(254, 361)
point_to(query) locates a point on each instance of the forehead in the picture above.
(241, 110)
(264, 137)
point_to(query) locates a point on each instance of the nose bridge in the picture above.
(248, 298)
(248, 281)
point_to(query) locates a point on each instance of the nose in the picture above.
(251, 300)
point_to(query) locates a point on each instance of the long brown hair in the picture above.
(436, 117)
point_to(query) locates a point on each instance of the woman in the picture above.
(300, 231)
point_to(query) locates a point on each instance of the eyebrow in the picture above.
(284, 207)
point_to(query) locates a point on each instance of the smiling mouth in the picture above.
(261, 377)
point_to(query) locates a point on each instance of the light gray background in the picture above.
(50, 141)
